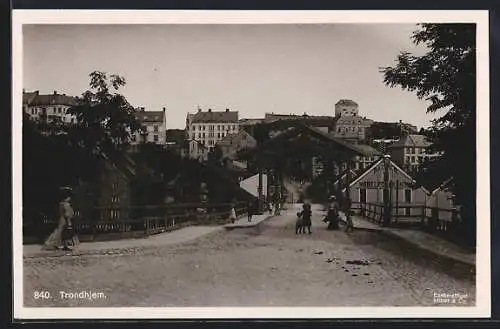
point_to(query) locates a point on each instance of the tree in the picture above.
(446, 76)
(105, 119)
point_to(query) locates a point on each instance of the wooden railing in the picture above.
(435, 220)
(135, 221)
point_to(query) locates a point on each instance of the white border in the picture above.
(483, 298)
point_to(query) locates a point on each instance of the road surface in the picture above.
(248, 267)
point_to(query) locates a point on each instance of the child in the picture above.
(232, 215)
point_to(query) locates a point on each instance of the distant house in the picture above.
(208, 128)
(441, 199)
(49, 107)
(368, 187)
(197, 150)
(231, 144)
(411, 150)
(154, 128)
(115, 190)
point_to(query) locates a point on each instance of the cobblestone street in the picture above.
(269, 266)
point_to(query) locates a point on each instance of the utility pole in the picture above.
(387, 202)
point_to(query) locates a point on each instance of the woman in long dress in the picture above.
(66, 214)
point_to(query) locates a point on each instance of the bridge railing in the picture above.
(123, 222)
(441, 221)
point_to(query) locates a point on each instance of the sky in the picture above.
(252, 69)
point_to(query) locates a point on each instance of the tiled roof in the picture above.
(150, 116)
(234, 137)
(54, 99)
(412, 141)
(347, 102)
(215, 117)
(175, 135)
(368, 150)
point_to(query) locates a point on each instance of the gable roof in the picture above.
(54, 99)
(379, 162)
(215, 117)
(414, 140)
(229, 138)
(443, 185)
(344, 174)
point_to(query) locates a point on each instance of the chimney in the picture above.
(199, 110)
(24, 91)
(55, 92)
(164, 109)
(227, 110)
(209, 110)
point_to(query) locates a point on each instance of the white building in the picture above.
(154, 127)
(209, 127)
(50, 107)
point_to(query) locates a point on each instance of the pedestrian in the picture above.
(250, 210)
(299, 224)
(332, 216)
(232, 214)
(270, 207)
(306, 215)
(348, 213)
(64, 236)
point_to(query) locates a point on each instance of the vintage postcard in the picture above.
(251, 164)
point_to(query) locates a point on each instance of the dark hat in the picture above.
(65, 191)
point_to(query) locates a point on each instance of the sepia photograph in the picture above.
(251, 165)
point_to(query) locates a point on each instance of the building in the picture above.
(349, 125)
(197, 150)
(362, 162)
(110, 196)
(441, 200)
(390, 130)
(406, 198)
(209, 127)
(411, 150)
(154, 127)
(346, 107)
(49, 107)
(231, 144)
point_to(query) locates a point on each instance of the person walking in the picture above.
(64, 236)
(332, 216)
(306, 215)
(250, 210)
(232, 214)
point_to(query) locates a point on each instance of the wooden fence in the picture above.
(444, 222)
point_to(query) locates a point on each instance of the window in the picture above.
(407, 195)
(133, 138)
(115, 185)
(72, 120)
(199, 135)
(362, 195)
(155, 128)
(59, 110)
(412, 158)
(203, 135)
(115, 199)
(115, 214)
(33, 111)
(407, 211)
(218, 127)
(223, 127)
(155, 138)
